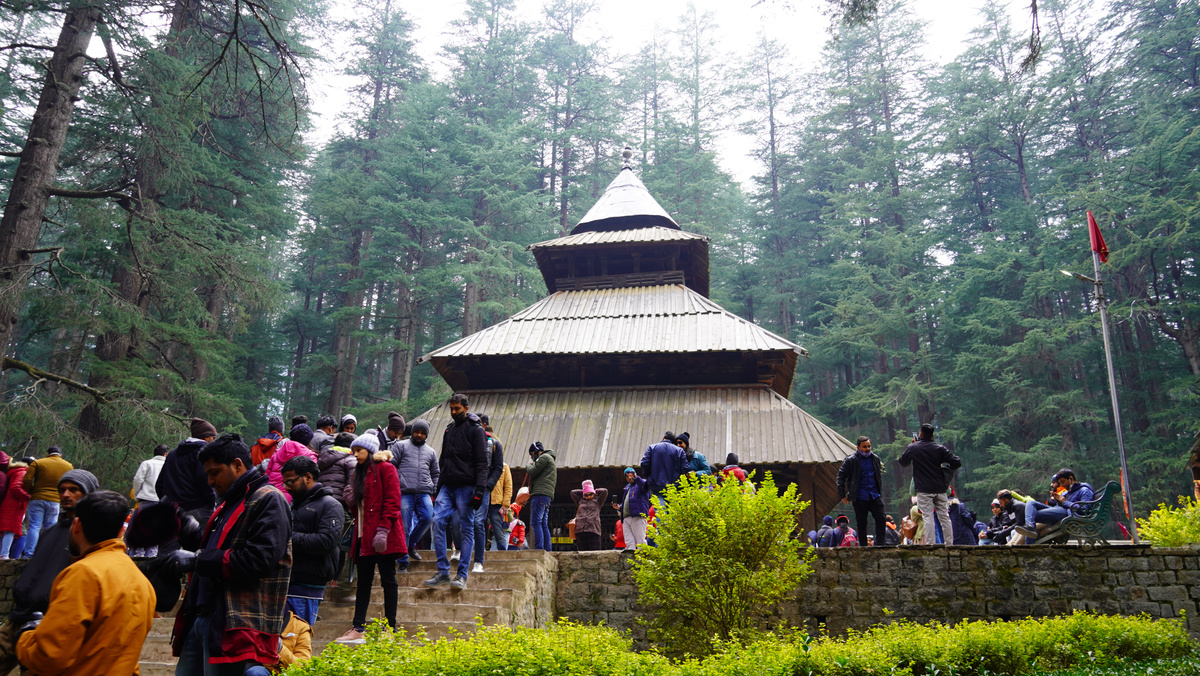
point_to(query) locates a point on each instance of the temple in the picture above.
(626, 346)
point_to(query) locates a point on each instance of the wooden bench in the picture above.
(1086, 521)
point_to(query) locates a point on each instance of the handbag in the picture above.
(908, 528)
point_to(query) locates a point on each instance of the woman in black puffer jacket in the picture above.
(337, 464)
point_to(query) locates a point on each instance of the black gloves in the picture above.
(477, 499)
(181, 561)
(190, 534)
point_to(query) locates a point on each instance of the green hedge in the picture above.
(1076, 645)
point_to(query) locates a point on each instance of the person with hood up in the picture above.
(295, 446)
(182, 481)
(41, 480)
(323, 436)
(317, 522)
(697, 463)
(31, 593)
(12, 508)
(732, 468)
(336, 464)
(663, 464)
(588, 500)
(378, 536)
(348, 425)
(462, 488)
(416, 463)
(543, 478)
(265, 446)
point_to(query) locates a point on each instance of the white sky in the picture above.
(626, 25)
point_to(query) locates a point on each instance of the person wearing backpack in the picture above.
(849, 535)
(828, 535)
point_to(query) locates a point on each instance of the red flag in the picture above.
(1098, 244)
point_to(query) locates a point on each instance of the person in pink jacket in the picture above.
(295, 445)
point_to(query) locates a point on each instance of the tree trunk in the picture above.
(21, 226)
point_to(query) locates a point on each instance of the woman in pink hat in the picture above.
(587, 516)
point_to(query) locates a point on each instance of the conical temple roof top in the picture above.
(625, 204)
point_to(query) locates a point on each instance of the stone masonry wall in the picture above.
(851, 588)
(10, 570)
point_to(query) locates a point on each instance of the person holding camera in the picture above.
(929, 461)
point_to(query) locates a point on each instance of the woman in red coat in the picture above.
(373, 496)
(12, 509)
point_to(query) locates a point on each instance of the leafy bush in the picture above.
(1076, 645)
(1172, 527)
(724, 556)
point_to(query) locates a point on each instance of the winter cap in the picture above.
(630, 469)
(536, 447)
(275, 424)
(201, 428)
(996, 503)
(349, 418)
(368, 441)
(588, 487)
(395, 422)
(301, 433)
(421, 424)
(54, 450)
(828, 521)
(731, 459)
(684, 437)
(82, 478)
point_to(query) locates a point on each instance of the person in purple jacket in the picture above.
(634, 505)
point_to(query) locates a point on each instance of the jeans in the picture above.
(934, 504)
(258, 670)
(453, 503)
(480, 526)
(634, 530)
(42, 514)
(193, 659)
(415, 511)
(6, 541)
(539, 523)
(1036, 512)
(304, 608)
(875, 509)
(365, 573)
(499, 539)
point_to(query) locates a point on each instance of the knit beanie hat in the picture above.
(301, 434)
(588, 486)
(369, 441)
(201, 428)
(630, 469)
(82, 478)
(685, 438)
(421, 424)
(275, 424)
(731, 459)
(349, 418)
(395, 422)
(828, 521)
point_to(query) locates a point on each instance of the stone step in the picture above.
(501, 598)
(157, 649)
(339, 616)
(433, 631)
(147, 668)
(496, 565)
(523, 554)
(520, 581)
(162, 626)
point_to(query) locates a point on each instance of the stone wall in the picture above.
(854, 588)
(10, 570)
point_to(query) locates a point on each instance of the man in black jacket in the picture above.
(930, 461)
(182, 481)
(317, 521)
(463, 487)
(860, 482)
(31, 594)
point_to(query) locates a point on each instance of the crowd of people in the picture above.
(257, 532)
(936, 516)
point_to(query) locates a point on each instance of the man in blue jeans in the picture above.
(463, 479)
(417, 465)
(543, 479)
(1068, 491)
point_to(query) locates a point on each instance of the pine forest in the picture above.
(173, 245)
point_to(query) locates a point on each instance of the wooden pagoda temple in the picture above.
(628, 345)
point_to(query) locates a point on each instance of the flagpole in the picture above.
(1112, 389)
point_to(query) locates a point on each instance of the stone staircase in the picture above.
(516, 589)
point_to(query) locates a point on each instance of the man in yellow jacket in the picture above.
(101, 606)
(41, 482)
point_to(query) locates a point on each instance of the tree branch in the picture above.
(36, 372)
(26, 45)
(56, 191)
(8, 154)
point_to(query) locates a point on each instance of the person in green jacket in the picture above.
(41, 482)
(543, 475)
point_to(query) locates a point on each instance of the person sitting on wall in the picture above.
(1066, 493)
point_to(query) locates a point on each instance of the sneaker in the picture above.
(1027, 531)
(437, 580)
(454, 556)
(477, 568)
(352, 637)
(460, 583)
(402, 568)
(414, 555)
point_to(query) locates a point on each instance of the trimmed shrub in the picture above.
(1172, 527)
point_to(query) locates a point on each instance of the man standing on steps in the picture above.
(317, 521)
(928, 460)
(182, 481)
(496, 468)
(31, 594)
(101, 606)
(235, 605)
(41, 482)
(417, 464)
(464, 473)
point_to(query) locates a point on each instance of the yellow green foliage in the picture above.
(1172, 527)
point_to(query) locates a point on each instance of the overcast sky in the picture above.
(626, 25)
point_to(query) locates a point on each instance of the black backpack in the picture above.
(825, 537)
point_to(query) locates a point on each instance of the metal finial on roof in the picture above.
(627, 153)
